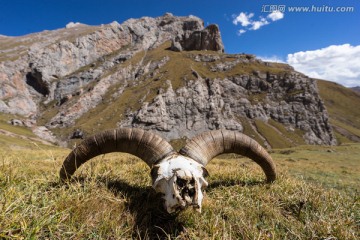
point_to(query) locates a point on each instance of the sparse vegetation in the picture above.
(315, 197)
(250, 130)
(294, 136)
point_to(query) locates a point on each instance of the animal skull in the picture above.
(178, 176)
(181, 180)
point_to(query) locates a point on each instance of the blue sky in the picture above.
(306, 40)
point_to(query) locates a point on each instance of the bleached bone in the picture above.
(179, 176)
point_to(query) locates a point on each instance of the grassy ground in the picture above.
(4, 125)
(315, 197)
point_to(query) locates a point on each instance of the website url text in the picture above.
(310, 9)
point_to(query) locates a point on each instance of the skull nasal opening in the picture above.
(186, 187)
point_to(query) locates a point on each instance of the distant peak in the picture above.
(114, 24)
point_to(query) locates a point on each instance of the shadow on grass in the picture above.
(151, 220)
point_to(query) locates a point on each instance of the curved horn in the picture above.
(145, 145)
(204, 147)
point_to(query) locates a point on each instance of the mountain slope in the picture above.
(356, 89)
(343, 107)
(180, 94)
(167, 74)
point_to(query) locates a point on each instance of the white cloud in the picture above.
(258, 24)
(241, 31)
(338, 63)
(275, 16)
(246, 20)
(273, 58)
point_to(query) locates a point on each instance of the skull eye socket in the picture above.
(180, 182)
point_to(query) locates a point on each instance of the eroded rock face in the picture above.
(207, 104)
(190, 110)
(15, 95)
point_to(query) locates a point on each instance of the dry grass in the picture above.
(315, 197)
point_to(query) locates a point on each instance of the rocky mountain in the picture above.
(167, 74)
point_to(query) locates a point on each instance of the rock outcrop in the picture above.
(189, 110)
(16, 97)
(206, 104)
(207, 39)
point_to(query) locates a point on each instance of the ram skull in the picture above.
(178, 176)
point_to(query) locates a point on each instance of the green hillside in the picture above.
(343, 107)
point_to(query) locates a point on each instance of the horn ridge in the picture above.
(204, 147)
(97, 144)
(146, 145)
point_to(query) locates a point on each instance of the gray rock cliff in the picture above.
(206, 104)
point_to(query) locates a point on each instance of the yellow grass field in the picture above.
(315, 197)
